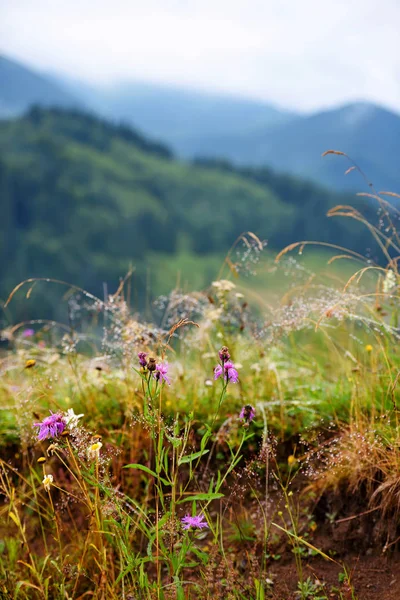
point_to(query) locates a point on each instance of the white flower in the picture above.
(47, 481)
(213, 314)
(94, 451)
(71, 419)
(224, 285)
(389, 282)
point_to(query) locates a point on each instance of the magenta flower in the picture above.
(160, 374)
(142, 359)
(51, 426)
(247, 413)
(197, 522)
(230, 373)
(28, 333)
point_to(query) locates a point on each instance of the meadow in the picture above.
(244, 444)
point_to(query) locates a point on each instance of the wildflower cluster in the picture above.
(158, 370)
(55, 424)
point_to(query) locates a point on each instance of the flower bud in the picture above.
(224, 354)
(151, 365)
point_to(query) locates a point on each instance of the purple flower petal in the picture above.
(160, 374)
(217, 372)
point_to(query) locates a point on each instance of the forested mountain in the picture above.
(256, 134)
(246, 132)
(82, 200)
(21, 87)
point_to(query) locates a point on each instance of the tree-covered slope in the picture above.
(82, 200)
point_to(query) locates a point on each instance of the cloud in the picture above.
(300, 54)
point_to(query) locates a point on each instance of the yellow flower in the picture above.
(47, 481)
(291, 460)
(30, 363)
(368, 348)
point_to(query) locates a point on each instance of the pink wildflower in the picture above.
(196, 522)
(229, 371)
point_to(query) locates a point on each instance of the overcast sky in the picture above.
(300, 54)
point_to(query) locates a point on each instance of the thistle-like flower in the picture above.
(229, 372)
(196, 522)
(28, 333)
(247, 413)
(71, 419)
(142, 359)
(47, 481)
(51, 427)
(161, 373)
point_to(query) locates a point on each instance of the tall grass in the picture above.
(104, 509)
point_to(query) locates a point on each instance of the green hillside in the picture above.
(83, 200)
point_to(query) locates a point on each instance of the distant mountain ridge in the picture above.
(245, 132)
(22, 87)
(369, 134)
(173, 113)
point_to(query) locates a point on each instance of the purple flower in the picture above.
(197, 522)
(142, 359)
(28, 333)
(247, 413)
(230, 373)
(160, 374)
(51, 426)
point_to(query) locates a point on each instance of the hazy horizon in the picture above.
(299, 58)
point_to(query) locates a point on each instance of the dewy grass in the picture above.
(197, 458)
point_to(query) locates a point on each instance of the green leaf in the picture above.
(147, 470)
(190, 457)
(202, 497)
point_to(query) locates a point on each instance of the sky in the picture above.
(302, 55)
